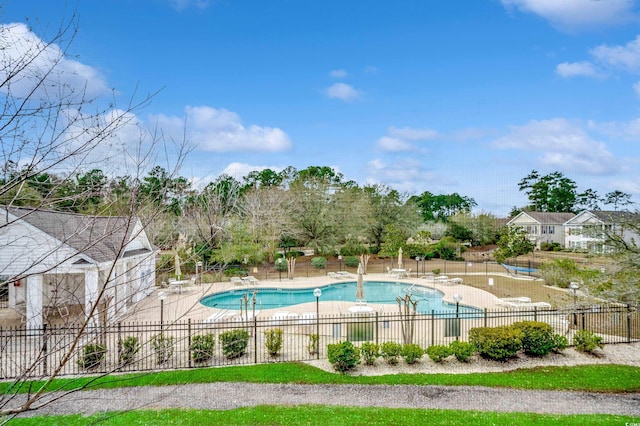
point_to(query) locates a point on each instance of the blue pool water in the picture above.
(376, 292)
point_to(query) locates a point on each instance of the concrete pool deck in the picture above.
(185, 305)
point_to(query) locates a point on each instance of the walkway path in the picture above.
(225, 396)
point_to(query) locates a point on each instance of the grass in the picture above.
(594, 378)
(324, 415)
(604, 378)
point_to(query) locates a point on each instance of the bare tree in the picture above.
(88, 268)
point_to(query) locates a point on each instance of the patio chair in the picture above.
(236, 281)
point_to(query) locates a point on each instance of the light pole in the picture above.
(317, 293)
(161, 296)
(198, 265)
(279, 261)
(574, 286)
(339, 263)
(417, 265)
(458, 298)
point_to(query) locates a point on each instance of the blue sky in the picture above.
(441, 96)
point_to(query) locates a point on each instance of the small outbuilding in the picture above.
(52, 262)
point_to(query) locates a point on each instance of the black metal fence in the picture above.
(38, 353)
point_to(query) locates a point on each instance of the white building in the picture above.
(542, 227)
(587, 230)
(52, 260)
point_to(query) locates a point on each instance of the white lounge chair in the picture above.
(237, 281)
(307, 318)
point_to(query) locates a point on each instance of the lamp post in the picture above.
(458, 298)
(161, 296)
(317, 293)
(339, 263)
(574, 286)
(198, 265)
(417, 265)
(279, 261)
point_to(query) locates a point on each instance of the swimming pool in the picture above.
(376, 292)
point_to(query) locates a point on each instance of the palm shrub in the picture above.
(370, 352)
(438, 353)
(129, 347)
(202, 347)
(343, 356)
(92, 355)
(586, 341)
(462, 350)
(234, 343)
(163, 347)
(496, 343)
(411, 353)
(273, 340)
(391, 351)
(537, 337)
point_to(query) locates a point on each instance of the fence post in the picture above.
(535, 313)
(485, 317)
(189, 341)
(628, 323)
(44, 348)
(119, 339)
(433, 327)
(255, 340)
(376, 339)
(582, 315)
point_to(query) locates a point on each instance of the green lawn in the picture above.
(326, 415)
(594, 378)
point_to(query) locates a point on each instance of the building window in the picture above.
(552, 229)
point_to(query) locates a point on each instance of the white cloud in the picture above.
(22, 48)
(338, 74)
(342, 91)
(408, 133)
(625, 57)
(400, 139)
(572, 69)
(386, 143)
(220, 130)
(405, 175)
(636, 88)
(573, 15)
(561, 145)
(239, 170)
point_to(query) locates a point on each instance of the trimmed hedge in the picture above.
(343, 356)
(496, 343)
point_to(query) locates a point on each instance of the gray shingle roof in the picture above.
(551, 218)
(102, 238)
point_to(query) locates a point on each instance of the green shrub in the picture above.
(236, 272)
(462, 350)
(281, 265)
(351, 261)
(93, 355)
(129, 347)
(273, 340)
(391, 351)
(319, 262)
(202, 347)
(435, 271)
(560, 343)
(234, 343)
(163, 347)
(537, 337)
(496, 343)
(343, 356)
(412, 353)
(312, 347)
(370, 352)
(438, 353)
(586, 341)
